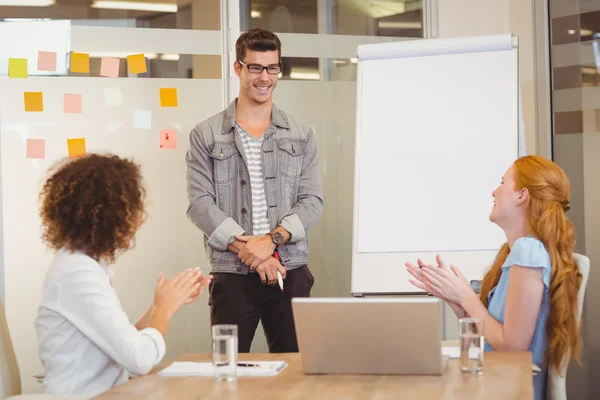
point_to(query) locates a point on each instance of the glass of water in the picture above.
(225, 352)
(471, 345)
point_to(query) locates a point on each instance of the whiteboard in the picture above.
(437, 127)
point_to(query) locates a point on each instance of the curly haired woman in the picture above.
(528, 299)
(91, 210)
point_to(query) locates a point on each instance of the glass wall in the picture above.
(575, 71)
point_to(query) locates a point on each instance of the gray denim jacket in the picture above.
(218, 186)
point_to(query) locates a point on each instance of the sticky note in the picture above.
(17, 67)
(80, 62)
(34, 101)
(142, 119)
(36, 148)
(168, 97)
(136, 64)
(76, 147)
(168, 139)
(46, 61)
(113, 96)
(73, 103)
(109, 67)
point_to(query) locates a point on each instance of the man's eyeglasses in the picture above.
(273, 69)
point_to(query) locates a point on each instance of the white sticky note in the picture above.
(177, 126)
(142, 119)
(113, 96)
(113, 127)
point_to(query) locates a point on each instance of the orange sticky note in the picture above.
(76, 147)
(168, 139)
(109, 67)
(80, 62)
(136, 64)
(46, 61)
(73, 103)
(168, 97)
(34, 101)
(36, 148)
(17, 68)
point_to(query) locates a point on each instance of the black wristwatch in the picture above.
(277, 238)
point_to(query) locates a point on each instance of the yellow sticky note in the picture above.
(76, 147)
(17, 68)
(80, 62)
(136, 64)
(168, 97)
(34, 101)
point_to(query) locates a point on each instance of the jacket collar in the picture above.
(278, 118)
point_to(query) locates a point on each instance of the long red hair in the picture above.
(549, 192)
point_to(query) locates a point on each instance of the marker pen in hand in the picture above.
(279, 278)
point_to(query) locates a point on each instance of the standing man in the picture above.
(254, 190)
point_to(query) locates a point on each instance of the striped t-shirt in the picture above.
(253, 151)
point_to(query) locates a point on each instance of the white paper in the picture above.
(113, 96)
(454, 352)
(142, 119)
(265, 368)
(113, 127)
(451, 351)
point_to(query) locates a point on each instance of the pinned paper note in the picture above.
(109, 67)
(76, 147)
(36, 148)
(168, 97)
(17, 68)
(136, 64)
(34, 101)
(168, 139)
(113, 96)
(142, 119)
(46, 61)
(73, 103)
(80, 63)
(177, 126)
(113, 127)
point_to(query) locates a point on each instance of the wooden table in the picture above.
(505, 376)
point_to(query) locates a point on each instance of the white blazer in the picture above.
(85, 340)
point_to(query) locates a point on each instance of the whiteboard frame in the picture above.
(359, 83)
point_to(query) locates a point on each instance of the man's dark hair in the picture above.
(257, 39)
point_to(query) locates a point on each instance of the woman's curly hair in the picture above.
(93, 204)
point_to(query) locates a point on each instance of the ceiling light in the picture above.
(571, 31)
(586, 32)
(169, 57)
(130, 5)
(354, 60)
(255, 14)
(27, 3)
(304, 74)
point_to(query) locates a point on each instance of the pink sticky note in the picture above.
(46, 61)
(109, 67)
(36, 148)
(73, 103)
(168, 139)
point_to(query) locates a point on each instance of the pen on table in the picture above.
(279, 278)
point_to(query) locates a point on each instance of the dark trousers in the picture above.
(244, 300)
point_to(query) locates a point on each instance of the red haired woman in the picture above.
(528, 299)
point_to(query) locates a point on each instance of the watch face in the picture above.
(278, 238)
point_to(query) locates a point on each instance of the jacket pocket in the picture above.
(226, 162)
(290, 157)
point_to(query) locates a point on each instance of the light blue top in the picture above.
(526, 252)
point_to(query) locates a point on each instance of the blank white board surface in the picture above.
(437, 127)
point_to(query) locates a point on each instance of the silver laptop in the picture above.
(370, 336)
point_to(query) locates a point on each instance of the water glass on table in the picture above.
(471, 345)
(225, 352)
